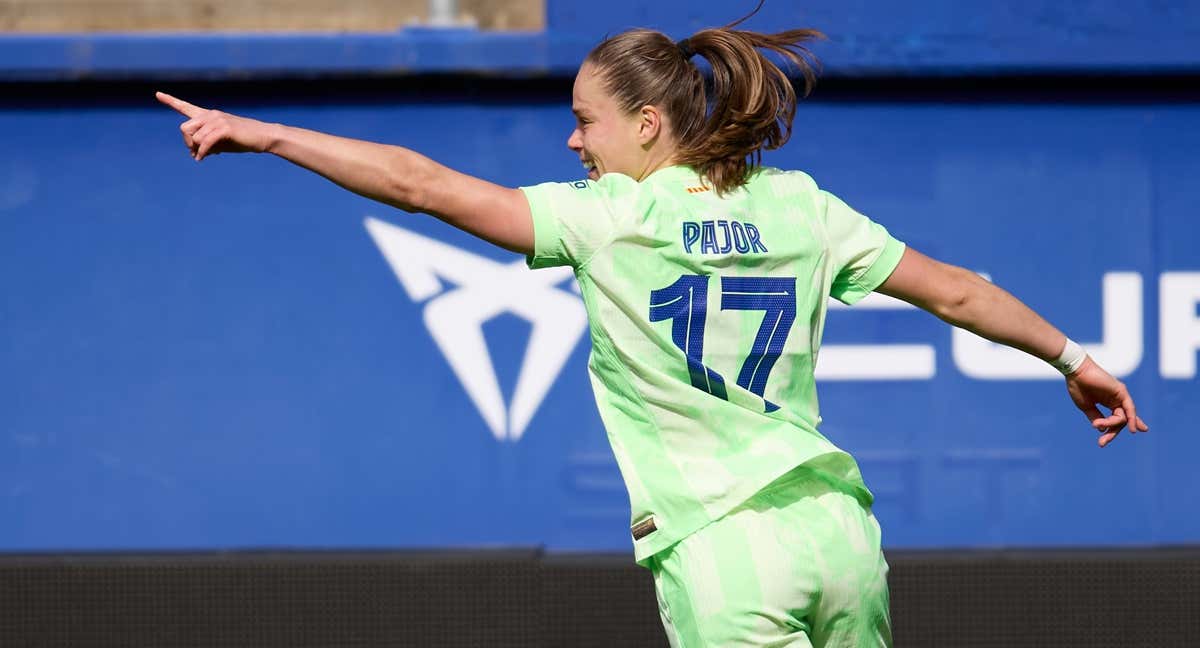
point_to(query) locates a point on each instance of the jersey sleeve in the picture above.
(571, 221)
(864, 253)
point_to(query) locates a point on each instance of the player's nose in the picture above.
(575, 141)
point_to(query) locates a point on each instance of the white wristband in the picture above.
(1071, 358)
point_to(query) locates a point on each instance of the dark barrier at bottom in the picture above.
(526, 598)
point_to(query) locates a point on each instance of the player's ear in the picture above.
(649, 124)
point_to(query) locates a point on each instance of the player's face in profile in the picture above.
(604, 137)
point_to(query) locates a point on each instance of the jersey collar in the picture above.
(672, 173)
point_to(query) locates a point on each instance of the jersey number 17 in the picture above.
(685, 303)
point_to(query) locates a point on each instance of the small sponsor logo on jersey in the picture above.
(693, 190)
(579, 184)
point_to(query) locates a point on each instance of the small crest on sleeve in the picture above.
(578, 184)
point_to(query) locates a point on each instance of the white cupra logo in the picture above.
(477, 289)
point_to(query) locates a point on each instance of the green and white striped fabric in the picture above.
(798, 564)
(706, 315)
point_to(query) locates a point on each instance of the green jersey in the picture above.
(706, 315)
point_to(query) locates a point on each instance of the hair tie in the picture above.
(685, 48)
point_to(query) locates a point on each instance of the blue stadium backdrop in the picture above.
(239, 354)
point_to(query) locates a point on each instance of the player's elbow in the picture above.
(411, 184)
(960, 290)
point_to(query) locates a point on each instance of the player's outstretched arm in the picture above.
(389, 174)
(964, 299)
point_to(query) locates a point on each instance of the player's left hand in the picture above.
(210, 132)
(1090, 386)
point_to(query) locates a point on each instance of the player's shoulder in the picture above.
(609, 189)
(610, 186)
(784, 182)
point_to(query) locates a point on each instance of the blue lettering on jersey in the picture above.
(755, 238)
(691, 234)
(740, 242)
(708, 238)
(728, 244)
(722, 237)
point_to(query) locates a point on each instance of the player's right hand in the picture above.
(210, 132)
(1091, 386)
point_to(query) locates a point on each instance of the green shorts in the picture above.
(798, 564)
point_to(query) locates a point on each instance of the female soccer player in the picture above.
(705, 277)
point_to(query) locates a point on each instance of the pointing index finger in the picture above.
(185, 108)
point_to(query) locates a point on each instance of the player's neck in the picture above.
(655, 163)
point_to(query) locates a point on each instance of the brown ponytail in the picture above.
(752, 99)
